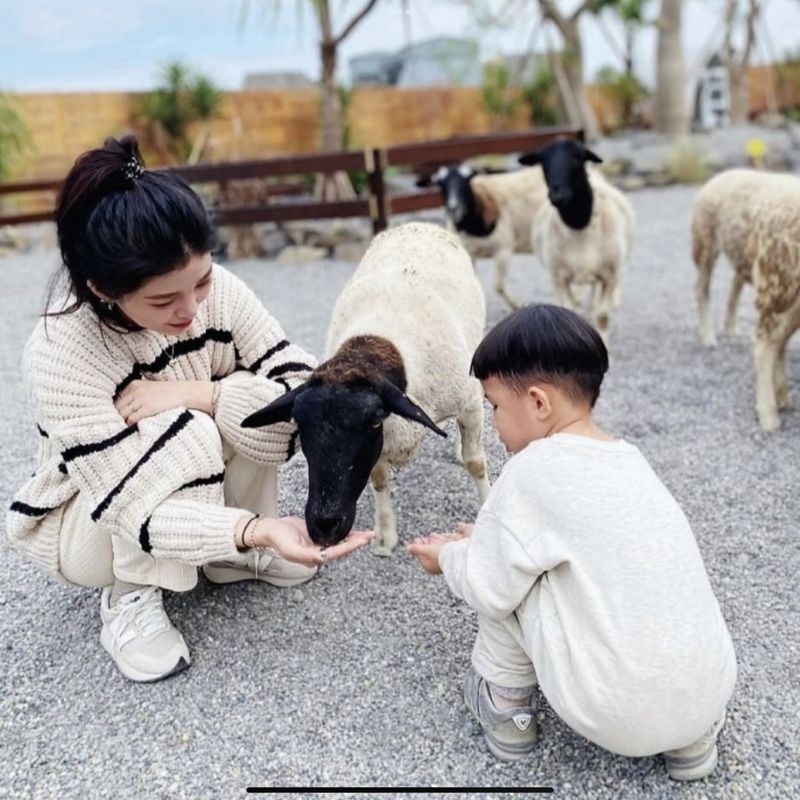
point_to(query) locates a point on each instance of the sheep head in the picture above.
(564, 165)
(340, 423)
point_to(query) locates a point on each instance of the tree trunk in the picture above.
(738, 65)
(331, 107)
(572, 62)
(671, 115)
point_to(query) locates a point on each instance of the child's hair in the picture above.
(120, 225)
(544, 343)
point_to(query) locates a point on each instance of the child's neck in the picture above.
(580, 424)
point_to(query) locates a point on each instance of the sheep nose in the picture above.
(559, 196)
(326, 529)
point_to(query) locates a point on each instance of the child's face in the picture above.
(517, 416)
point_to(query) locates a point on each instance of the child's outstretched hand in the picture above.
(426, 549)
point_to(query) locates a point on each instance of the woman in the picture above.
(140, 381)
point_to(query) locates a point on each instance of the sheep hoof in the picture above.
(769, 422)
(380, 549)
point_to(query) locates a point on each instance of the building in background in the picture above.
(712, 101)
(277, 80)
(440, 61)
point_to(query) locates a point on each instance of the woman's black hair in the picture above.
(120, 225)
(544, 343)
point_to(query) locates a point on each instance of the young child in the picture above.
(582, 568)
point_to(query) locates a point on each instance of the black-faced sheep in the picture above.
(401, 339)
(583, 235)
(492, 214)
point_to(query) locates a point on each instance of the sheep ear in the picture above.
(279, 410)
(529, 159)
(437, 177)
(395, 402)
(588, 155)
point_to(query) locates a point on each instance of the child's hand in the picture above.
(464, 529)
(426, 549)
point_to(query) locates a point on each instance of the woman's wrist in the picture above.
(200, 395)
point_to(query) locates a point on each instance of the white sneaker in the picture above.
(139, 636)
(260, 565)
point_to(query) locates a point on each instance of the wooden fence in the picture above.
(378, 204)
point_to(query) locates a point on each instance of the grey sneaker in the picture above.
(697, 760)
(260, 565)
(510, 734)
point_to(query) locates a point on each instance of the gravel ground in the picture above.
(355, 679)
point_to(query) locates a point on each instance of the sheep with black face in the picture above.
(583, 235)
(492, 213)
(401, 339)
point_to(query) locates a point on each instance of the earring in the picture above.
(109, 304)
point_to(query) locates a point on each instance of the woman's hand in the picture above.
(289, 536)
(143, 398)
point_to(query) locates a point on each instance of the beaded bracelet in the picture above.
(245, 547)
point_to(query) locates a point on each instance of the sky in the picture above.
(99, 45)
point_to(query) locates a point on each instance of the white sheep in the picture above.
(400, 344)
(721, 223)
(583, 235)
(492, 214)
(773, 250)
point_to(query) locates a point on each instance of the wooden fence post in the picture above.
(375, 160)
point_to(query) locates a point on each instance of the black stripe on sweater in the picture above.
(29, 511)
(289, 366)
(42, 431)
(175, 350)
(144, 536)
(211, 479)
(282, 345)
(79, 450)
(181, 422)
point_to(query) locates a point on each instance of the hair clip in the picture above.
(132, 169)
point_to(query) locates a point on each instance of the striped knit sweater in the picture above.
(157, 483)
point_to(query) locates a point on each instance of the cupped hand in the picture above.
(290, 537)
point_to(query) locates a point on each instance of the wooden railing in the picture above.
(378, 204)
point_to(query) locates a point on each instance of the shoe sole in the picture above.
(133, 674)
(697, 771)
(501, 752)
(233, 575)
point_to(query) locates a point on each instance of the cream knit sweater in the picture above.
(157, 483)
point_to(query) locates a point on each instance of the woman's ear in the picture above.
(97, 293)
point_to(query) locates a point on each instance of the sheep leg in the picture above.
(563, 291)
(765, 355)
(470, 425)
(781, 381)
(704, 259)
(733, 302)
(501, 263)
(603, 303)
(458, 450)
(385, 520)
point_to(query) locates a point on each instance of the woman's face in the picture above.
(168, 303)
